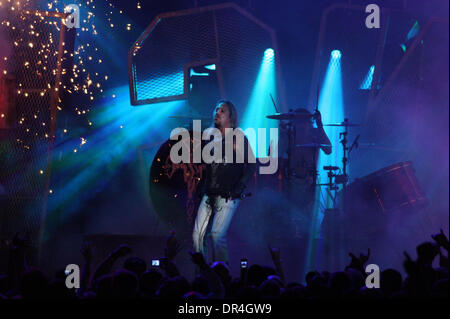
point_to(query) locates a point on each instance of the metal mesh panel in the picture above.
(176, 40)
(403, 113)
(25, 144)
(345, 31)
(395, 101)
(242, 43)
(388, 117)
(410, 120)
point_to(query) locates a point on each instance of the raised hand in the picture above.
(409, 265)
(172, 246)
(364, 258)
(275, 254)
(358, 263)
(355, 262)
(441, 239)
(122, 250)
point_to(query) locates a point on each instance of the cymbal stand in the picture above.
(331, 186)
(344, 141)
(291, 143)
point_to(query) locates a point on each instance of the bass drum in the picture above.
(378, 199)
(174, 189)
(389, 189)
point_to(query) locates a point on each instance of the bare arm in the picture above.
(324, 140)
(441, 239)
(322, 136)
(106, 265)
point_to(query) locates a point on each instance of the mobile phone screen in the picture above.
(155, 262)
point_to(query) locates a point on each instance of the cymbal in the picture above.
(313, 145)
(373, 146)
(190, 117)
(343, 124)
(289, 116)
(331, 168)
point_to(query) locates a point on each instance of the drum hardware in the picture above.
(313, 145)
(354, 144)
(341, 179)
(290, 116)
(289, 127)
(343, 124)
(331, 186)
(274, 104)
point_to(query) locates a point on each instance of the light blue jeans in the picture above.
(223, 213)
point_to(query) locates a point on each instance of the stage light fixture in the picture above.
(336, 54)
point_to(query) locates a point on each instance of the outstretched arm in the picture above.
(172, 246)
(106, 265)
(358, 263)
(441, 240)
(275, 254)
(322, 136)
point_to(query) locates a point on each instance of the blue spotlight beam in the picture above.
(331, 106)
(260, 103)
(367, 83)
(120, 129)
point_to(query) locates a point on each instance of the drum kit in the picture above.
(391, 188)
(291, 119)
(366, 202)
(387, 189)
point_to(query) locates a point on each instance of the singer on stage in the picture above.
(224, 187)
